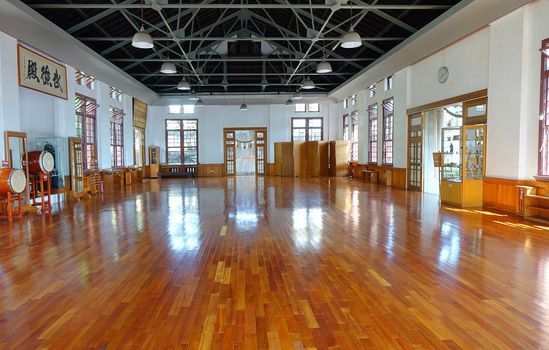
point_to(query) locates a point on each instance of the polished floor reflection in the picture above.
(272, 263)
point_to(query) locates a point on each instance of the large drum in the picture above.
(39, 162)
(12, 180)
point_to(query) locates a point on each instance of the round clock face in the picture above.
(443, 75)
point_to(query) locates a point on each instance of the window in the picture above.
(313, 107)
(543, 162)
(115, 94)
(372, 90)
(353, 100)
(138, 147)
(350, 133)
(389, 83)
(300, 107)
(346, 103)
(175, 109)
(372, 133)
(182, 141)
(84, 79)
(188, 109)
(307, 129)
(85, 125)
(388, 118)
(116, 116)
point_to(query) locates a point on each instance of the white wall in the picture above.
(213, 119)
(40, 115)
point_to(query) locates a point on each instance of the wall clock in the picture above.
(443, 75)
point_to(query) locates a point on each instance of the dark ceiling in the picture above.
(241, 46)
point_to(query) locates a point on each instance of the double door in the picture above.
(232, 144)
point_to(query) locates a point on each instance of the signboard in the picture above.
(40, 73)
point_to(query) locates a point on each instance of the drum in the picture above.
(39, 162)
(12, 180)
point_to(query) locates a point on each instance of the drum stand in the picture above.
(40, 192)
(7, 208)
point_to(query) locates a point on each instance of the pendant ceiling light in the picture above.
(142, 39)
(183, 85)
(324, 67)
(199, 103)
(297, 96)
(308, 84)
(243, 106)
(351, 39)
(168, 67)
(289, 103)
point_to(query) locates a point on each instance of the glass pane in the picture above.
(315, 134)
(190, 138)
(174, 109)
(474, 153)
(476, 111)
(191, 156)
(314, 107)
(190, 124)
(174, 156)
(298, 134)
(300, 107)
(230, 135)
(174, 138)
(173, 124)
(315, 123)
(188, 109)
(299, 123)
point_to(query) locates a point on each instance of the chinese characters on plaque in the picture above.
(39, 73)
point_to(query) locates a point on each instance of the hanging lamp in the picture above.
(351, 39)
(142, 39)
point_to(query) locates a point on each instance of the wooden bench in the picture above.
(369, 175)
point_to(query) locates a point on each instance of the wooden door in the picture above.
(229, 141)
(260, 151)
(76, 168)
(415, 152)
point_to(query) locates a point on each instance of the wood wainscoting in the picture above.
(211, 170)
(503, 194)
(387, 175)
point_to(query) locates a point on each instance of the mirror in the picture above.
(16, 154)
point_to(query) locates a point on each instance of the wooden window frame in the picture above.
(85, 117)
(117, 138)
(182, 140)
(307, 127)
(84, 79)
(388, 136)
(350, 120)
(543, 135)
(372, 90)
(309, 107)
(372, 133)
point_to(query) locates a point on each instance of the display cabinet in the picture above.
(57, 146)
(154, 161)
(451, 154)
(463, 165)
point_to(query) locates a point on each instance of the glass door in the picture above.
(229, 141)
(415, 152)
(260, 136)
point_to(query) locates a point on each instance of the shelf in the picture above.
(538, 208)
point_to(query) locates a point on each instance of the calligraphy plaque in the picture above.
(40, 73)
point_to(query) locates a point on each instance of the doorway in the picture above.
(245, 151)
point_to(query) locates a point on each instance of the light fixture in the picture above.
(297, 96)
(243, 106)
(168, 67)
(289, 103)
(308, 84)
(351, 40)
(142, 39)
(183, 85)
(324, 67)
(199, 103)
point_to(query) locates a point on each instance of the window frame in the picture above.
(299, 104)
(388, 118)
(543, 138)
(372, 90)
(84, 137)
(309, 107)
(373, 133)
(389, 83)
(83, 79)
(350, 120)
(307, 128)
(116, 137)
(182, 140)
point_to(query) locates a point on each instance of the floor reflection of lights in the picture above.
(450, 245)
(307, 228)
(245, 219)
(184, 221)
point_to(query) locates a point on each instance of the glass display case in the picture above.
(57, 146)
(451, 154)
(473, 158)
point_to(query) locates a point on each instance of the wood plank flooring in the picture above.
(272, 263)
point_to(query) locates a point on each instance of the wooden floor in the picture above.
(275, 263)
